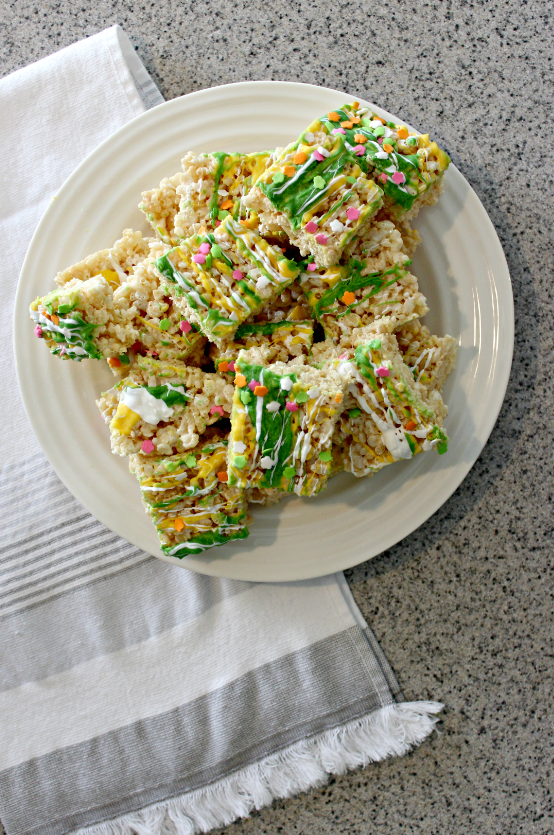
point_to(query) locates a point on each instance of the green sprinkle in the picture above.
(279, 177)
(239, 461)
(442, 447)
(289, 472)
(245, 396)
(301, 396)
(216, 251)
(325, 456)
(64, 308)
(208, 262)
(319, 182)
(190, 461)
(411, 140)
(351, 180)
(171, 466)
(353, 413)
(375, 344)
(123, 359)
(222, 214)
(379, 130)
(165, 343)
(164, 324)
(391, 125)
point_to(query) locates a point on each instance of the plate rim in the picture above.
(506, 313)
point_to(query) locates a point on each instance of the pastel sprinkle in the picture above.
(359, 150)
(216, 251)
(319, 182)
(325, 455)
(185, 326)
(352, 213)
(289, 472)
(311, 226)
(333, 116)
(351, 180)
(292, 407)
(289, 170)
(321, 239)
(178, 524)
(398, 177)
(411, 425)
(266, 462)
(402, 133)
(223, 366)
(302, 397)
(344, 356)
(237, 275)
(227, 204)
(380, 140)
(199, 258)
(239, 461)
(279, 177)
(38, 329)
(164, 324)
(354, 413)
(360, 138)
(223, 476)
(245, 396)
(339, 130)
(382, 371)
(338, 397)
(318, 156)
(147, 446)
(300, 157)
(311, 268)
(216, 410)
(274, 406)
(252, 384)
(231, 366)
(239, 447)
(379, 130)
(383, 177)
(347, 124)
(348, 297)
(261, 391)
(204, 248)
(240, 380)
(217, 223)
(190, 461)
(286, 383)
(388, 148)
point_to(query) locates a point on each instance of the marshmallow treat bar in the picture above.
(282, 424)
(223, 278)
(188, 499)
(163, 408)
(282, 342)
(317, 193)
(430, 358)
(160, 205)
(387, 416)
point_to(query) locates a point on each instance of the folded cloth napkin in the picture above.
(136, 696)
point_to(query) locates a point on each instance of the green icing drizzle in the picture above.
(169, 396)
(220, 156)
(351, 281)
(266, 328)
(204, 541)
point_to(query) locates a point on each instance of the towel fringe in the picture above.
(388, 732)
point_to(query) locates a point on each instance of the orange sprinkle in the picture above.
(355, 120)
(55, 319)
(178, 524)
(355, 105)
(289, 170)
(338, 397)
(223, 366)
(114, 362)
(244, 222)
(360, 138)
(333, 116)
(348, 297)
(402, 133)
(222, 476)
(300, 157)
(388, 148)
(410, 425)
(379, 119)
(240, 380)
(346, 124)
(261, 391)
(227, 204)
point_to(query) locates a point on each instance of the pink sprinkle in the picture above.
(147, 446)
(231, 366)
(383, 372)
(217, 223)
(199, 258)
(398, 178)
(204, 248)
(292, 407)
(321, 239)
(216, 410)
(62, 350)
(311, 267)
(185, 326)
(252, 384)
(339, 130)
(237, 275)
(319, 157)
(383, 177)
(311, 226)
(359, 150)
(352, 213)
(380, 140)
(343, 356)
(38, 329)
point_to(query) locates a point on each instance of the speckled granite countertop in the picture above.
(463, 607)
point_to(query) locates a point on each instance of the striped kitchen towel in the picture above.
(136, 696)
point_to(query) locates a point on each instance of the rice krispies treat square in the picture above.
(282, 424)
(290, 304)
(408, 166)
(192, 509)
(317, 193)
(282, 342)
(387, 416)
(430, 358)
(115, 263)
(223, 278)
(211, 189)
(162, 408)
(161, 205)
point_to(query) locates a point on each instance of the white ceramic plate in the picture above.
(461, 269)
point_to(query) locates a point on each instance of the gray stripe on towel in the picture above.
(264, 711)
